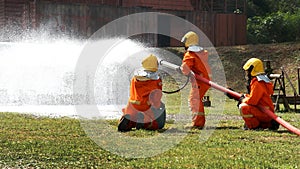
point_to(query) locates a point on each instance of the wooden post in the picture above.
(2, 13)
(298, 80)
(32, 14)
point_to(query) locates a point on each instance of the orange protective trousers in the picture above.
(255, 118)
(198, 63)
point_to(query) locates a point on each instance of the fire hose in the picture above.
(236, 96)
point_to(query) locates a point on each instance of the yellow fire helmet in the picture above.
(258, 66)
(150, 63)
(190, 39)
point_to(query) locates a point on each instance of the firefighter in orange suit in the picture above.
(144, 109)
(260, 89)
(196, 59)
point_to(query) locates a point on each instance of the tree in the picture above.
(272, 21)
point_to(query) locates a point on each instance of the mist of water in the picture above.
(36, 73)
(41, 74)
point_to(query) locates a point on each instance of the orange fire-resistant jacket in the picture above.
(143, 95)
(260, 93)
(196, 62)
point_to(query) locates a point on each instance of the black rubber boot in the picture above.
(160, 115)
(140, 121)
(275, 125)
(161, 120)
(123, 125)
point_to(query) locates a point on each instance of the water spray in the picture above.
(234, 95)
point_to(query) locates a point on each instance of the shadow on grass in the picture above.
(173, 130)
(193, 130)
(283, 131)
(227, 127)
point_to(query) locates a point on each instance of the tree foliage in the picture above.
(271, 21)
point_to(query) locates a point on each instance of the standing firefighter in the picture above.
(260, 89)
(144, 109)
(196, 59)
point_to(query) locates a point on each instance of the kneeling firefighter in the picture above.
(260, 89)
(144, 109)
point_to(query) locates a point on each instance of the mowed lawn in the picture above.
(38, 142)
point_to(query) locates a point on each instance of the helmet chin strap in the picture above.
(249, 78)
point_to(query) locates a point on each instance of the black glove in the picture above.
(229, 95)
(240, 100)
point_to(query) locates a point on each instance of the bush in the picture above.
(274, 28)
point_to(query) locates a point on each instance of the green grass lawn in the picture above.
(36, 142)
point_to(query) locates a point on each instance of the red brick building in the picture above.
(223, 21)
